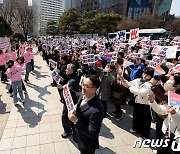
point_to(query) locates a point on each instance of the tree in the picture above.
(5, 29)
(25, 18)
(127, 24)
(173, 26)
(8, 13)
(149, 21)
(88, 23)
(52, 28)
(108, 22)
(18, 37)
(69, 22)
(142, 22)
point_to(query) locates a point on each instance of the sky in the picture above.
(30, 2)
(175, 7)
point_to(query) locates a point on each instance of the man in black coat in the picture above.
(88, 118)
(73, 83)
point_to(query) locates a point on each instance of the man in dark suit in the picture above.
(88, 118)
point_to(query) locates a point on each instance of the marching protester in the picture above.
(20, 62)
(27, 57)
(14, 72)
(88, 117)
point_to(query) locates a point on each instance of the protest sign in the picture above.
(56, 76)
(122, 34)
(154, 62)
(53, 63)
(114, 56)
(156, 50)
(88, 58)
(171, 52)
(68, 99)
(134, 34)
(162, 52)
(91, 58)
(173, 99)
(175, 69)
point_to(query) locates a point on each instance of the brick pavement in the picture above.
(36, 126)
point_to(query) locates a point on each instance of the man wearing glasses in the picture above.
(88, 118)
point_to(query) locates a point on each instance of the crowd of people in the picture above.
(129, 79)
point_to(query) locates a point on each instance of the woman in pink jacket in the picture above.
(14, 73)
(2, 67)
(20, 62)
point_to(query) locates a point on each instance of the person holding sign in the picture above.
(171, 125)
(73, 84)
(88, 118)
(142, 113)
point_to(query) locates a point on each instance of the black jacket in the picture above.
(86, 130)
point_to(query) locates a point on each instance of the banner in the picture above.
(134, 34)
(173, 99)
(68, 99)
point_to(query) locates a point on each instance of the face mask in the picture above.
(168, 86)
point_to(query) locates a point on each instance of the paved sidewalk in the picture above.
(35, 128)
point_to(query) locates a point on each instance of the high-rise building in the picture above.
(161, 7)
(128, 8)
(137, 7)
(69, 4)
(45, 10)
(118, 6)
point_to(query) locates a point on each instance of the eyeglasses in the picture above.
(86, 86)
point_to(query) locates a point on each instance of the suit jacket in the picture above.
(86, 130)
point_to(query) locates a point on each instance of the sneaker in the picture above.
(119, 117)
(15, 103)
(65, 134)
(132, 131)
(11, 95)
